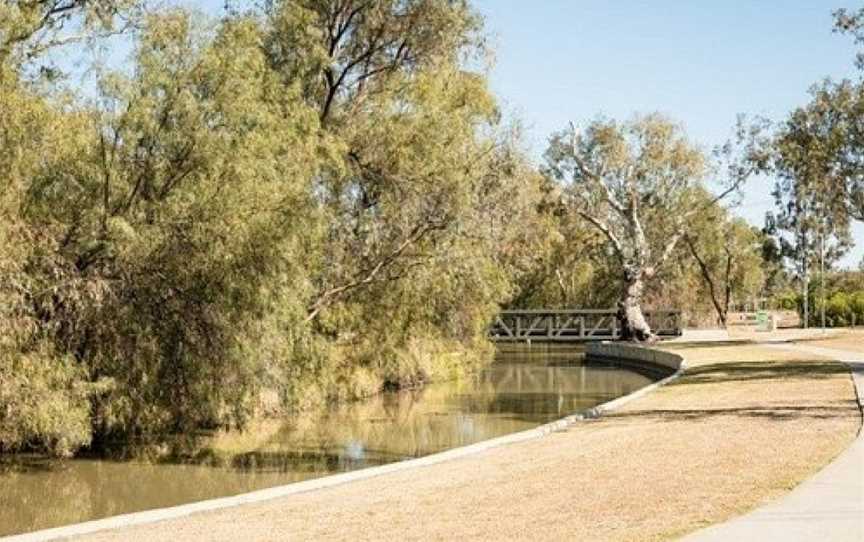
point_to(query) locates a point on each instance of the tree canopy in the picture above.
(638, 183)
(266, 213)
(308, 201)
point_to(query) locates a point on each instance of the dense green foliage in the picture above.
(843, 297)
(284, 208)
(315, 199)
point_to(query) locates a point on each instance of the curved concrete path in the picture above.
(828, 507)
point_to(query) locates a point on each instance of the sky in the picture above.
(701, 63)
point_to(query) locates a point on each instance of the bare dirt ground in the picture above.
(741, 427)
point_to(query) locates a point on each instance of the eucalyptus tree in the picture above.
(827, 135)
(821, 145)
(815, 156)
(638, 184)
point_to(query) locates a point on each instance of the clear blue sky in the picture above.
(699, 62)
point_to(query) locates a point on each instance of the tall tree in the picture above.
(45, 392)
(635, 182)
(831, 129)
(816, 190)
(728, 254)
(416, 146)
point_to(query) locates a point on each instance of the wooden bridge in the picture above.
(575, 325)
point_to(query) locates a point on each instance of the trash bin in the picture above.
(764, 321)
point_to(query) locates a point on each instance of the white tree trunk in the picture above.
(634, 327)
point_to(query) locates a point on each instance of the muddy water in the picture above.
(524, 388)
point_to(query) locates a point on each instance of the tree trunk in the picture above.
(634, 327)
(723, 317)
(806, 293)
(722, 310)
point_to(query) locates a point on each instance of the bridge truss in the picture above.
(559, 325)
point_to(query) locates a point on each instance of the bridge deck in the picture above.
(560, 325)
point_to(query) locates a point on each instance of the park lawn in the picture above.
(744, 425)
(842, 340)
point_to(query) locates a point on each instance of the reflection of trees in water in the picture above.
(81, 490)
(395, 425)
(537, 393)
(539, 353)
(37, 494)
(507, 397)
(593, 381)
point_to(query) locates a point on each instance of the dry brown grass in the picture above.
(743, 426)
(843, 340)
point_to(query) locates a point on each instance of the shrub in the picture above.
(45, 403)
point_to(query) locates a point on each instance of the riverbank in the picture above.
(524, 388)
(745, 424)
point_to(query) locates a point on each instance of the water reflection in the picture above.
(524, 388)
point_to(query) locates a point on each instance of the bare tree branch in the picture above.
(368, 276)
(606, 230)
(592, 176)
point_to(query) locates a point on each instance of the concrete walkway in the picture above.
(701, 335)
(828, 507)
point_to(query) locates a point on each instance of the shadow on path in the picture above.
(786, 409)
(832, 410)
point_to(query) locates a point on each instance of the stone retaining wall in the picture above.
(633, 353)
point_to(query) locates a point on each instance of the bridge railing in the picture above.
(575, 325)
